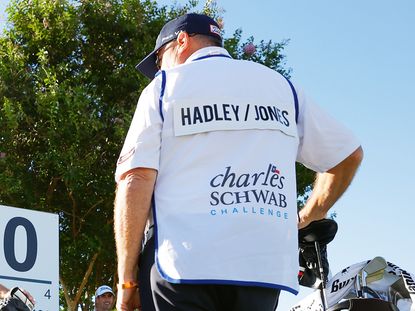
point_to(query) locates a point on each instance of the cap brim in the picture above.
(104, 292)
(148, 65)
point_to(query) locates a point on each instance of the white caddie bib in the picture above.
(225, 198)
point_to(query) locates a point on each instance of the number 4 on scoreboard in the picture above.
(47, 294)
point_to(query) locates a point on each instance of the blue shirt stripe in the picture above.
(163, 87)
(295, 99)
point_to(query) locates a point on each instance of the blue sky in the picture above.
(356, 59)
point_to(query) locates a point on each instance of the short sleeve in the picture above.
(324, 141)
(142, 144)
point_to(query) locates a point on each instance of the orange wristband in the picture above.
(127, 285)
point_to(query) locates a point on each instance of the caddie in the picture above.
(208, 165)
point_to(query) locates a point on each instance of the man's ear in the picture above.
(183, 42)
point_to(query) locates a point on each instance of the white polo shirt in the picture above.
(223, 135)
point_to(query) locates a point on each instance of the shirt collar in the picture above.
(208, 51)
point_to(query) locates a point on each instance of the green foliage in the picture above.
(305, 177)
(68, 89)
(267, 53)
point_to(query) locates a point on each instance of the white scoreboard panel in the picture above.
(29, 254)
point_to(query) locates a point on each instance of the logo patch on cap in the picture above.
(215, 29)
(166, 38)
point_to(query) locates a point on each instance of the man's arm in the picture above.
(131, 210)
(329, 187)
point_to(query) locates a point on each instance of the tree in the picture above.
(68, 86)
(68, 89)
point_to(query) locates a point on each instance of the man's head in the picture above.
(178, 39)
(104, 298)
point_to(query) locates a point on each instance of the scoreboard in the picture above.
(29, 254)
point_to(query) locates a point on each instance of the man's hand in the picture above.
(128, 299)
(3, 291)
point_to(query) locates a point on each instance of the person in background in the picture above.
(104, 298)
(209, 160)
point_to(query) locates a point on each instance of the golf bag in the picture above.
(374, 284)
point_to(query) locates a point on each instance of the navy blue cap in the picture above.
(191, 23)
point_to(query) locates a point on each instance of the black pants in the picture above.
(159, 295)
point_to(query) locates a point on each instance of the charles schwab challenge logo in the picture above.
(259, 193)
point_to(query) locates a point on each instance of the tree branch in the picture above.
(86, 278)
(75, 231)
(51, 188)
(69, 302)
(82, 220)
